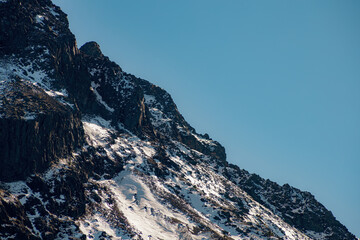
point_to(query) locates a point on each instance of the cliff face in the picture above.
(35, 130)
(98, 153)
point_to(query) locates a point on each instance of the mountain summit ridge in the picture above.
(92, 152)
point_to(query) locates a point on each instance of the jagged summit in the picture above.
(88, 151)
(92, 49)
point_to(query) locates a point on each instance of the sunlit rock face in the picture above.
(88, 151)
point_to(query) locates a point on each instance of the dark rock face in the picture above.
(35, 130)
(13, 218)
(92, 49)
(178, 128)
(124, 103)
(28, 23)
(298, 208)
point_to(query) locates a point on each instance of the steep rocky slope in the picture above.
(35, 129)
(89, 151)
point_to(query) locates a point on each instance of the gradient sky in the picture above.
(276, 82)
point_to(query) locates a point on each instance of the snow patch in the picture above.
(97, 135)
(93, 88)
(149, 99)
(40, 19)
(61, 93)
(20, 189)
(53, 12)
(142, 209)
(204, 140)
(95, 227)
(94, 71)
(159, 119)
(27, 72)
(29, 116)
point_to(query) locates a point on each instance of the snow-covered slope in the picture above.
(169, 197)
(92, 152)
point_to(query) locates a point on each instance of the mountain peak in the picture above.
(92, 49)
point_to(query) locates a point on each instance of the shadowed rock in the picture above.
(35, 130)
(92, 49)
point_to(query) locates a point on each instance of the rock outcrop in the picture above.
(35, 130)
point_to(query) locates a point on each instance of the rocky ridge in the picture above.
(89, 151)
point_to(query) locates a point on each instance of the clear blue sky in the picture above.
(276, 82)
